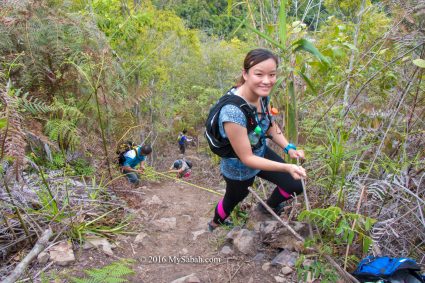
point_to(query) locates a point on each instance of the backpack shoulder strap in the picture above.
(266, 102)
(136, 150)
(246, 109)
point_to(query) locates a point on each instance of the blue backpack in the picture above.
(388, 269)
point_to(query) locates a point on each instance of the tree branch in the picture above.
(38, 248)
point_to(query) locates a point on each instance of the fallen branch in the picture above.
(38, 248)
(347, 276)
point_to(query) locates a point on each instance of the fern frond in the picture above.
(68, 111)
(13, 137)
(32, 105)
(64, 132)
(112, 273)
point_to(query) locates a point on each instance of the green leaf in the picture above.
(304, 44)
(382, 51)
(367, 241)
(282, 23)
(263, 35)
(350, 237)
(3, 123)
(339, 230)
(351, 46)
(368, 224)
(308, 82)
(276, 86)
(337, 51)
(229, 7)
(419, 62)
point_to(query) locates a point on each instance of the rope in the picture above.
(188, 183)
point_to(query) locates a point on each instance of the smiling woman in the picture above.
(253, 156)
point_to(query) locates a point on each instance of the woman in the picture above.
(257, 80)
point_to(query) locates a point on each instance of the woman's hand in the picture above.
(296, 153)
(297, 172)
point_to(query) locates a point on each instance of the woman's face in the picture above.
(260, 78)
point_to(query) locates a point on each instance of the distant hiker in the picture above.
(182, 141)
(237, 128)
(129, 157)
(182, 167)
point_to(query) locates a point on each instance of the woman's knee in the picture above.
(296, 187)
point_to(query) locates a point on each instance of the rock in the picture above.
(299, 226)
(279, 279)
(231, 235)
(286, 270)
(285, 257)
(226, 250)
(191, 278)
(98, 242)
(251, 280)
(267, 227)
(284, 240)
(243, 240)
(165, 224)
(140, 237)
(202, 223)
(266, 266)
(197, 233)
(186, 217)
(184, 251)
(43, 258)
(155, 200)
(62, 254)
(259, 257)
(299, 246)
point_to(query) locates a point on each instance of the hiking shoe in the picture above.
(278, 209)
(211, 227)
(226, 222)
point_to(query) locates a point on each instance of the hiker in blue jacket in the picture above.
(133, 158)
(182, 141)
(253, 156)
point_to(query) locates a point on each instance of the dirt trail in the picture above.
(189, 241)
(168, 254)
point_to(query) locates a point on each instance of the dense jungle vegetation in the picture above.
(77, 77)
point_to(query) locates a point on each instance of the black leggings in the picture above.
(236, 191)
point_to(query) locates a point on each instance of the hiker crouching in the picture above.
(131, 158)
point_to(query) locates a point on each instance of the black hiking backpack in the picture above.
(219, 145)
(123, 149)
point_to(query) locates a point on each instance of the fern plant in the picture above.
(336, 228)
(31, 104)
(62, 126)
(112, 273)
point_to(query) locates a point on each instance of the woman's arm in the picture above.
(238, 138)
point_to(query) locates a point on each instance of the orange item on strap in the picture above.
(274, 111)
